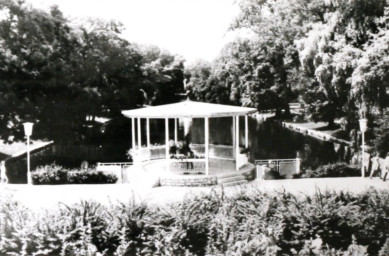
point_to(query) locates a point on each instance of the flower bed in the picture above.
(56, 175)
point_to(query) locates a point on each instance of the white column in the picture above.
(363, 155)
(175, 130)
(133, 132)
(139, 135)
(298, 163)
(29, 178)
(206, 144)
(246, 129)
(237, 143)
(233, 134)
(148, 137)
(167, 137)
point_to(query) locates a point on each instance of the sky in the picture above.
(195, 29)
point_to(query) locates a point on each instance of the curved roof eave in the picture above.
(188, 109)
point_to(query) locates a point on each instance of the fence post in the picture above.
(298, 161)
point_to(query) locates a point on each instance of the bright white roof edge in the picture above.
(32, 148)
(188, 109)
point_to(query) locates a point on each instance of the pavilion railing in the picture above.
(187, 166)
(215, 151)
(144, 154)
(157, 152)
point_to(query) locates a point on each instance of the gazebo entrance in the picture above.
(208, 159)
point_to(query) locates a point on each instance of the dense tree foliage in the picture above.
(55, 73)
(330, 55)
(163, 75)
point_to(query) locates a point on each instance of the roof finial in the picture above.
(186, 89)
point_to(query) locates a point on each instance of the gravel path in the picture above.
(36, 197)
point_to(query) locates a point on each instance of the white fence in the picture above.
(285, 167)
(113, 168)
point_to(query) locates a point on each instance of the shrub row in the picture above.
(55, 175)
(248, 223)
(332, 170)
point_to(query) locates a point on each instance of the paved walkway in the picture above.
(45, 196)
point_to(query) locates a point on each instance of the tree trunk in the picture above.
(287, 110)
(331, 123)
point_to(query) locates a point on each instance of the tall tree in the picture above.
(36, 50)
(265, 64)
(370, 78)
(163, 75)
(55, 73)
(330, 52)
(206, 84)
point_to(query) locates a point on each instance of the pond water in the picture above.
(268, 139)
(272, 140)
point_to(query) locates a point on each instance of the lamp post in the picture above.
(363, 127)
(28, 132)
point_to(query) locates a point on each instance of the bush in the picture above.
(332, 171)
(247, 223)
(55, 175)
(17, 167)
(272, 175)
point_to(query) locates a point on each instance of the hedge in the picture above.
(55, 175)
(332, 171)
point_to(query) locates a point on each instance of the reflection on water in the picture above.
(269, 140)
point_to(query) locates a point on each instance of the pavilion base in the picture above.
(229, 178)
(188, 181)
(154, 173)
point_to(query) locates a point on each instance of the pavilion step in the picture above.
(228, 175)
(231, 179)
(235, 183)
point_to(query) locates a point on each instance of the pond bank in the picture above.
(314, 133)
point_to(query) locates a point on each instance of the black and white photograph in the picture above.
(194, 128)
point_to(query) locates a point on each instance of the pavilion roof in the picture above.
(191, 109)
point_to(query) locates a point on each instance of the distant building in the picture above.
(19, 149)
